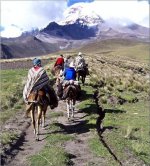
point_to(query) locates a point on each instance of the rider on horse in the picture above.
(69, 79)
(38, 79)
(80, 62)
(60, 61)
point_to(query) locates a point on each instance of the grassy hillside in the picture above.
(119, 71)
(11, 92)
(119, 47)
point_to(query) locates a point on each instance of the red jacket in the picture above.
(59, 61)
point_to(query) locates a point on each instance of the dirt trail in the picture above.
(78, 148)
(25, 146)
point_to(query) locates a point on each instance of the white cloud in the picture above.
(18, 16)
(29, 14)
(134, 11)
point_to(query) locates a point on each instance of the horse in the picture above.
(69, 91)
(38, 101)
(82, 72)
(71, 95)
(56, 70)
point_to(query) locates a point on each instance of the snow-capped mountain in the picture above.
(82, 14)
(79, 27)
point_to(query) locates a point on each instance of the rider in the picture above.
(66, 62)
(69, 77)
(80, 62)
(60, 61)
(36, 80)
(70, 73)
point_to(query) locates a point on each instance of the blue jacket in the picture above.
(70, 74)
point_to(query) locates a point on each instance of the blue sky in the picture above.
(71, 2)
(18, 16)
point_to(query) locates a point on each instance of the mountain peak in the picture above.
(80, 13)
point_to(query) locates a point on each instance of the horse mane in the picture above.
(71, 91)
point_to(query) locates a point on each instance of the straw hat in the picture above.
(80, 53)
(72, 65)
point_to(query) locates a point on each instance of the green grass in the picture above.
(11, 92)
(132, 123)
(55, 114)
(53, 154)
(129, 123)
(101, 151)
(123, 48)
(6, 137)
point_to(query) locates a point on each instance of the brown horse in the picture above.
(38, 101)
(56, 70)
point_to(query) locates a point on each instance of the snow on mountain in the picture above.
(81, 13)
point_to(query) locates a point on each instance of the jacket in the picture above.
(36, 80)
(59, 61)
(70, 74)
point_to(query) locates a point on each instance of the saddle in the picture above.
(34, 98)
(74, 85)
(66, 90)
(44, 97)
(38, 96)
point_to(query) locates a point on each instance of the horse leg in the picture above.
(73, 107)
(43, 116)
(68, 108)
(78, 76)
(83, 80)
(38, 121)
(33, 119)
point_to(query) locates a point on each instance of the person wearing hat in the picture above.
(79, 62)
(37, 79)
(60, 61)
(69, 78)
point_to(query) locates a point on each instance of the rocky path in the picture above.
(25, 145)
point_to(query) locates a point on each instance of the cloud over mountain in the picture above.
(26, 15)
(19, 16)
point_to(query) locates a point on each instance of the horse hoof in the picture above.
(37, 139)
